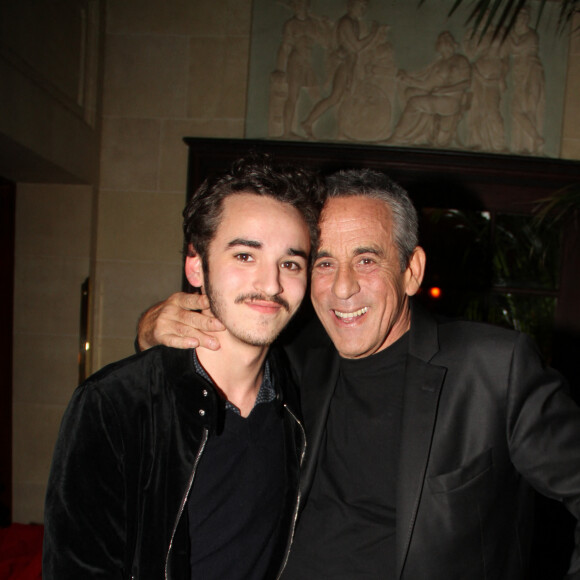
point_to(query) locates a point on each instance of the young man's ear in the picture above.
(194, 268)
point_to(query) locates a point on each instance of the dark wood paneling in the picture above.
(433, 178)
(495, 181)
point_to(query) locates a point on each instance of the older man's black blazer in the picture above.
(483, 422)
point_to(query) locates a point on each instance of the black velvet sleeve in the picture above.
(85, 503)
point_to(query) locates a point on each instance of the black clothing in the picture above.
(242, 472)
(236, 501)
(125, 460)
(347, 525)
(266, 394)
(483, 420)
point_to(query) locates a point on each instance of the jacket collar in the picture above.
(424, 334)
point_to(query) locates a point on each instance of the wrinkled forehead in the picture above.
(355, 219)
(355, 204)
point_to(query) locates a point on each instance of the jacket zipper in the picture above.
(186, 495)
(298, 497)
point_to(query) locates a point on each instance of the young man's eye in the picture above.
(293, 266)
(244, 257)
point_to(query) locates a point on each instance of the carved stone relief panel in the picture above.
(392, 73)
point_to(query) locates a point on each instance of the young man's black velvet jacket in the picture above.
(124, 464)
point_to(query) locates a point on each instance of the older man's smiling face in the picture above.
(358, 290)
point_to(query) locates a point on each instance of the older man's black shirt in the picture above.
(347, 528)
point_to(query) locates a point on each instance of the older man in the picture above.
(425, 437)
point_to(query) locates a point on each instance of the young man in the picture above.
(178, 464)
(425, 436)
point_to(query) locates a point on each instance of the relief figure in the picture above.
(489, 65)
(435, 99)
(528, 98)
(294, 66)
(365, 111)
(350, 42)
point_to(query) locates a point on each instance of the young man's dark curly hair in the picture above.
(256, 174)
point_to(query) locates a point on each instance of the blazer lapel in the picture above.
(319, 380)
(423, 382)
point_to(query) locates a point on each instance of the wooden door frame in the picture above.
(7, 229)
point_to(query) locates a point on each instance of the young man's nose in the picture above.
(268, 280)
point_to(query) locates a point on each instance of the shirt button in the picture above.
(204, 393)
(202, 412)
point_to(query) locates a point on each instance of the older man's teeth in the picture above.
(351, 314)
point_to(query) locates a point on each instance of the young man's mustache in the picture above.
(254, 297)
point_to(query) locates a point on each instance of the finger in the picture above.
(201, 321)
(184, 342)
(209, 342)
(175, 341)
(215, 325)
(187, 331)
(191, 301)
(197, 303)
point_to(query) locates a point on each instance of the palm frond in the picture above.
(484, 14)
(563, 205)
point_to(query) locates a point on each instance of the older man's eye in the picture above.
(367, 261)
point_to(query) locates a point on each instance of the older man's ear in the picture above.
(415, 271)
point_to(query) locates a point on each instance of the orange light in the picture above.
(435, 292)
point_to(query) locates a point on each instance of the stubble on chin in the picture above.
(244, 335)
